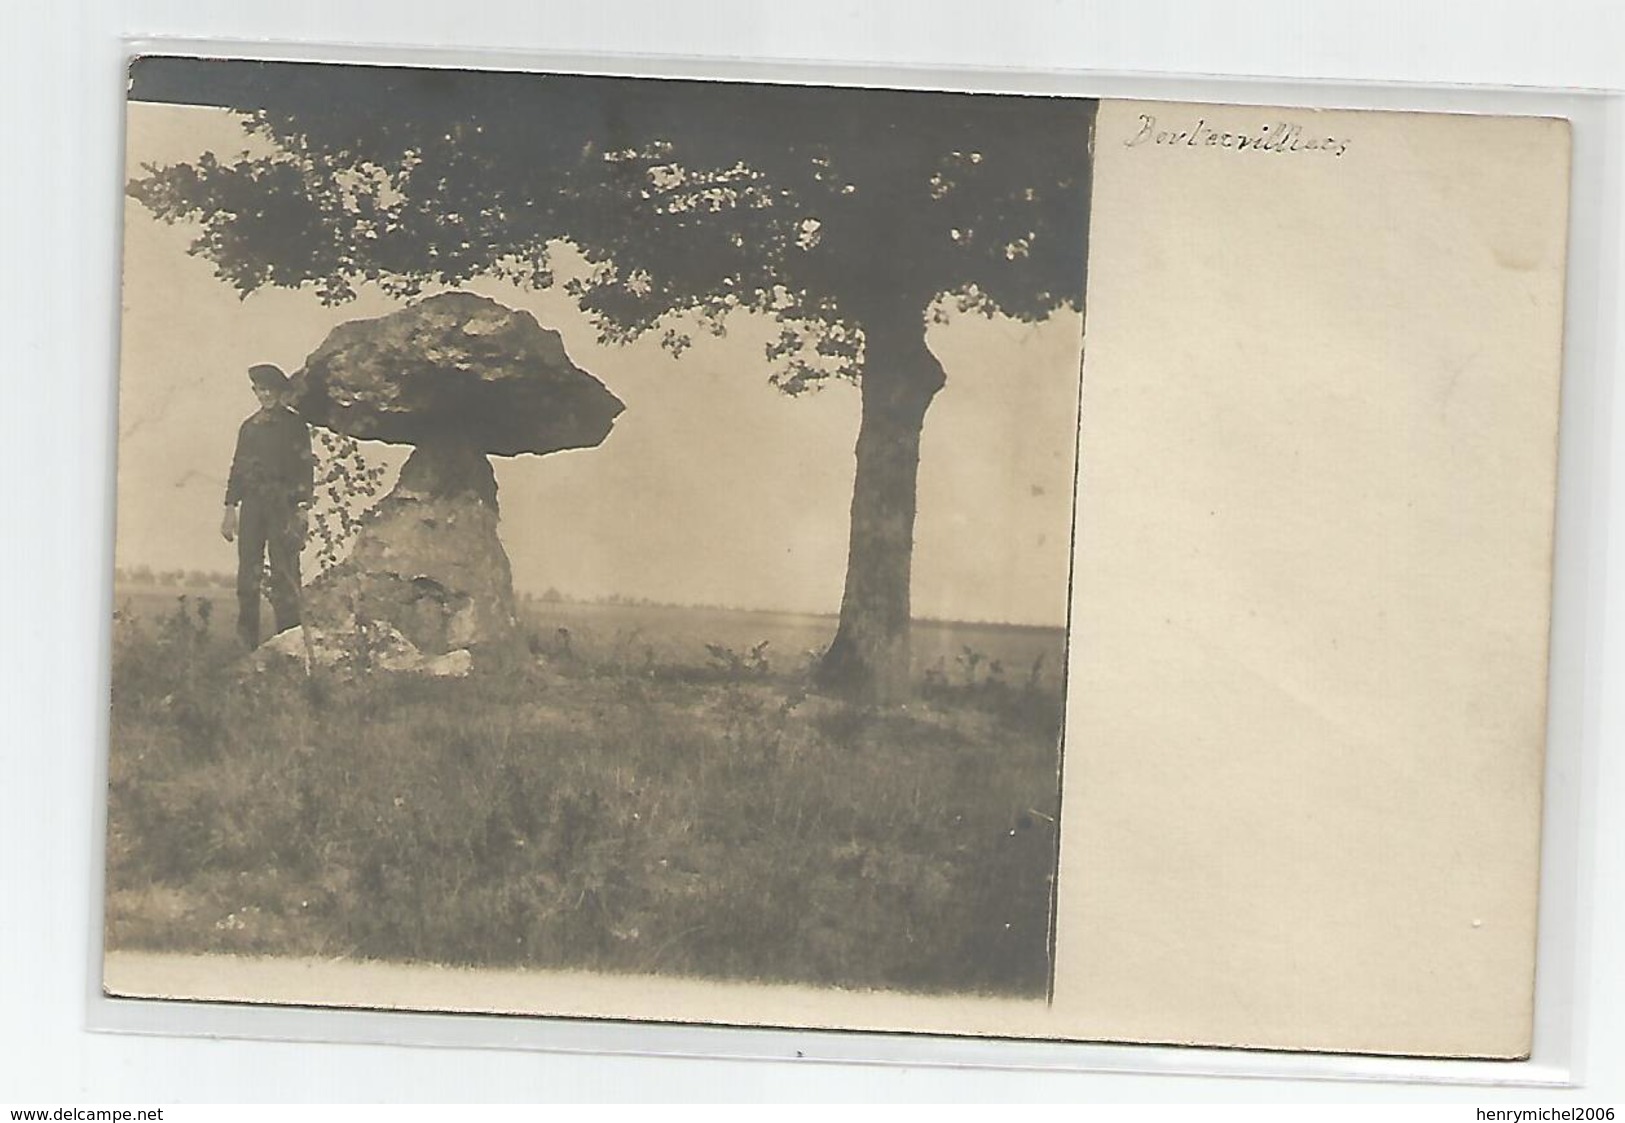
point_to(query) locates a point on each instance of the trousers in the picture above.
(267, 529)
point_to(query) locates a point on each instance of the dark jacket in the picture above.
(273, 459)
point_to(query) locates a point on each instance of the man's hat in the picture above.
(266, 376)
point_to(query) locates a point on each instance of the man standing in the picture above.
(267, 503)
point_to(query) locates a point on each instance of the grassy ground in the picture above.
(701, 814)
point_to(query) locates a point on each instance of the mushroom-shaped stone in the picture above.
(462, 378)
(455, 368)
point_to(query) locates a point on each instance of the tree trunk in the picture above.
(869, 658)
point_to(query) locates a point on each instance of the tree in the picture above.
(853, 218)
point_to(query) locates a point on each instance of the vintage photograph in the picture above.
(662, 550)
(583, 524)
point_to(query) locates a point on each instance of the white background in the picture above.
(60, 94)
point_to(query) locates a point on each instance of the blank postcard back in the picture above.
(1306, 715)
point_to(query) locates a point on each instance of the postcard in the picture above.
(858, 558)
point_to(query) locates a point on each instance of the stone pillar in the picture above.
(428, 561)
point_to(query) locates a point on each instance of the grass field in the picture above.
(657, 794)
(632, 635)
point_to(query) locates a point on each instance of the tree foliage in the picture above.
(828, 210)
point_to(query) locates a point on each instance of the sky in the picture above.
(713, 488)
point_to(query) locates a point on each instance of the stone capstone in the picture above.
(457, 368)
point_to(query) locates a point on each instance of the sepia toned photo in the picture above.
(592, 526)
(669, 550)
